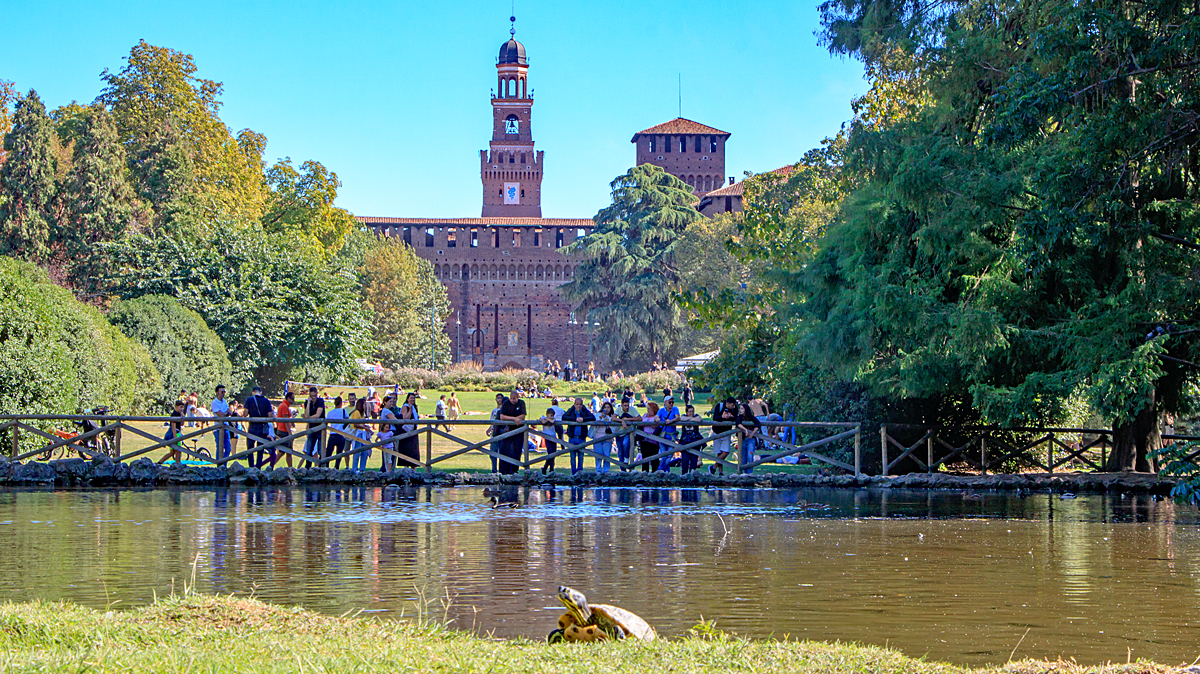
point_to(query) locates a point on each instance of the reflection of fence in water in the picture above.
(771, 446)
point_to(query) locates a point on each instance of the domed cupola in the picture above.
(512, 52)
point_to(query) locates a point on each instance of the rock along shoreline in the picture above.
(142, 473)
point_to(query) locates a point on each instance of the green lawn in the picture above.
(196, 633)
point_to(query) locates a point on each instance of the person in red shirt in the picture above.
(283, 428)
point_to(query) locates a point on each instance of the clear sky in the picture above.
(394, 96)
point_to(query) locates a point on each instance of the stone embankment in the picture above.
(145, 473)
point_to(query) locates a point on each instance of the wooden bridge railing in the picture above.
(984, 447)
(108, 433)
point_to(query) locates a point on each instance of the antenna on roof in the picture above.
(680, 91)
(513, 18)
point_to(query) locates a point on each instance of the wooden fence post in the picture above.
(117, 443)
(16, 441)
(983, 455)
(428, 448)
(1050, 454)
(857, 457)
(525, 446)
(929, 454)
(883, 446)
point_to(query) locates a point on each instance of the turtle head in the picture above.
(575, 602)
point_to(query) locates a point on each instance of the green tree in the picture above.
(280, 308)
(186, 352)
(302, 204)
(8, 97)
(626, 277)
(157, 90)
(27, 179)
(100, 203)
(408, 306)
(1030, 232)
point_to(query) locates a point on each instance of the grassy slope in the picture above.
(228, 634)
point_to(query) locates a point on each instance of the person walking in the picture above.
(724, 417)
(220, 408)
(439, 410)
(689, 396)
(337, 437)
(362, 434)
(257, 406)
(624, 440)
(604, 436)
(374, 404)
(410, 447)
(283, 429)
(512, 410)
(691, 434)
(453, 408)
(494, 430)
(577, 434)
(314, 408)
(648, 447)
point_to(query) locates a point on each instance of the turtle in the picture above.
(596, 622)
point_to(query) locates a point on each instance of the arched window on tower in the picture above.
(512, 158)
(512, 125)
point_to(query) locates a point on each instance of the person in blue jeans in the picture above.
(577, 434)
(603, 435)
(624, 441)
(669, 412)
(748, 428)
(220, 407)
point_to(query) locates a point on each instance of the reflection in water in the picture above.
(931, 573)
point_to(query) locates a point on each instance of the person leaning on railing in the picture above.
(691, 433)
(257, 405)
(724, 417)
(749, 428)
(577, 434)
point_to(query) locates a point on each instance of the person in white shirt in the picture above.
(596, 402)
(220, 408)
(337, 441)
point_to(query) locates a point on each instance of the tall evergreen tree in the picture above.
(27, 179)
(99, 200)
(166, 180)
(626, 278)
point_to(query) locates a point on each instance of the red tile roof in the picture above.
(677, 126)
(735, 190)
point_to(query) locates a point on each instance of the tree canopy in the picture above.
(626, 277)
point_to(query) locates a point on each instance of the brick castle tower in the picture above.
(510, 169)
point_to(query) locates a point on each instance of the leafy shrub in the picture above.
(60, 356)
(187, 353)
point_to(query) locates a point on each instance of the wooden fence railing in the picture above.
(106, 436)
(985, 448)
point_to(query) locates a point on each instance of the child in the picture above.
(549, 428)
(173, 430)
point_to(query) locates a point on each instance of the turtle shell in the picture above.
(632, 624)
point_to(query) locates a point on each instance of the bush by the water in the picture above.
(59, 355)
(187, 353)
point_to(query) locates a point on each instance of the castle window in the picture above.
(474, 237)
(429, 237)
(523, 158)
(682, 144)
(707, 183)
(697, 143)
(512, 125)
(522, 194)
(516, 238)
(652, 145)
(667, 144)
(728, 204)
(451, 238)
(408, 235)
(537, 237)
(496, 238)
(579, 233)
(558, 238)
(712, 143)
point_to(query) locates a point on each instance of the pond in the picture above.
(938, 574)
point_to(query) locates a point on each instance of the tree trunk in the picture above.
(1133, 440)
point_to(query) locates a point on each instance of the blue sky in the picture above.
(393, 96)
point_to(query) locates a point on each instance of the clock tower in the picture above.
(511, 170)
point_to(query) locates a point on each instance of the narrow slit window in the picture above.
(429, 237)
(697, 143)
(712, 143)
(408, 235)
(668, 144)
(474, 237)
(652, 144)
(537, 237)
(558, 238)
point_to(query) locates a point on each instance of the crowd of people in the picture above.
(598, 428)
(588, 373)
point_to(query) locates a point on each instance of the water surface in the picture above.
(935, 574)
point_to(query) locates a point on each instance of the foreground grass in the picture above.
(230, 634)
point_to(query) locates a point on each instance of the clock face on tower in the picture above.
(511, 125)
